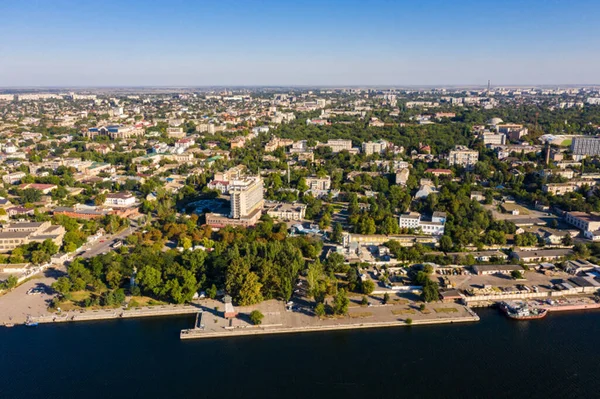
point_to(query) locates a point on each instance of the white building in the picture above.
(318, 183)
(374, 147)
(413, 220)
(119, 199)
(339, 145)
(246, 196)
(463, 156)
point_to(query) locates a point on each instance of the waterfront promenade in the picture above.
(279, 320)
(119, 313)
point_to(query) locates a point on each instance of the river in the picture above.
(557, 357)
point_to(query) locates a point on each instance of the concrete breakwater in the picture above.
(197, 333)
(108, 314)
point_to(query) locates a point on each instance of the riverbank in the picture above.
(197, 333)
(281, 320)
(111, 314)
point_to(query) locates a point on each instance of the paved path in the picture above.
(16, 305)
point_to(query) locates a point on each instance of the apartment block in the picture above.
(374, 147)
(339, 145)
(463, 156)
(16, 234)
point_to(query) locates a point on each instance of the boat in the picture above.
(9, 325)
(30, 322)
(522, 311)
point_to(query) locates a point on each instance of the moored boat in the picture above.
(521, 311)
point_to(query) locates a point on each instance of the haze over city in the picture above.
(289, 199)
(188, 43)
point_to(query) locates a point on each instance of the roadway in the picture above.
(104, 243)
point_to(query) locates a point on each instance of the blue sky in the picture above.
(227, 42)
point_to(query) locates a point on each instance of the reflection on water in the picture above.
(556, 357)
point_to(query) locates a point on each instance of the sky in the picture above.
(298, 42)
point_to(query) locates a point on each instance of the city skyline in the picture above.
(310, 44)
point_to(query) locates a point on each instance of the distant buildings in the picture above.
(586, 146)
(115, 131)
(284, 211)
(276, 142)
(402, 176)
(413, 220)
(222, 180)
(339, 145)
(425, 189)
(374, 147)
(246, 200)
(586, 222)
(318, 183)
(493, 138)
(119, 199)
(17, 234)
(513, 131)
(463, 156)
(246, 196)
(563, 188)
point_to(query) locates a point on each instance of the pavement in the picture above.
(16, 305)
(278, 318)
(104, 244)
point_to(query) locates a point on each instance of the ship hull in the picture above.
(541, 313)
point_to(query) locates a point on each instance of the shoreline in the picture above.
(201, 334)
(116, 314)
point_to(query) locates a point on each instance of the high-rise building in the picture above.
(246, 197)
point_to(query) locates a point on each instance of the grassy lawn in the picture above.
(80, 295)
(566, 142)
(397, 312)
(445, 310)
(138, 301)
(360, 315)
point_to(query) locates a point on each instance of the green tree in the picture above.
(149, 279)
(212, 292)
(567, 240)
(516, 274)
(386, 298)
(99, 200)
(340, 302)
(256, 317)
(430, 291)
(62, 285)
(320, 309)
(250, 291)
(337, 232)
(367, 286)
(446, 243)
(302, 186)
(581, 250)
